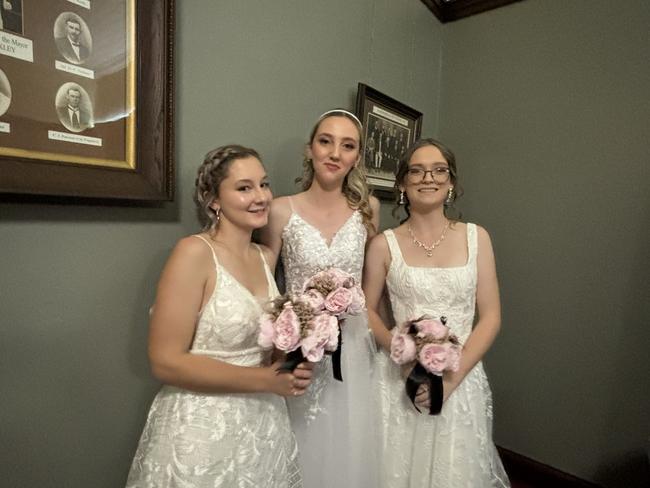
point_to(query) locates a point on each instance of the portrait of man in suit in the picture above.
(73, 108)
(74, 45)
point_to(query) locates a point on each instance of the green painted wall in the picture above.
(77, 281)
(547, 104)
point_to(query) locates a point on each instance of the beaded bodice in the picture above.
(305, 251)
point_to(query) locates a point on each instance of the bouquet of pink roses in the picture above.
(434, 349)
(308, 325)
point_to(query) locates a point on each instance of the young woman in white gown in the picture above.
(220, 420)
(432, 264)
(327, 225)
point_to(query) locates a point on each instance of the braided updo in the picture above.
(211, 173)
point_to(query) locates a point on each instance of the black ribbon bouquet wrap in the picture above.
(430, 345)
(307, 325)
(294, 358)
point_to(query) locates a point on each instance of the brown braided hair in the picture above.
(210, 174)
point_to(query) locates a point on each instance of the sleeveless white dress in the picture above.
(453, 449)
(334, 421)
(196, 440)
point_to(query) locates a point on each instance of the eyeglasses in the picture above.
(440, 174)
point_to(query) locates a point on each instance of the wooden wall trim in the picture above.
(525, 469)
(450, 10)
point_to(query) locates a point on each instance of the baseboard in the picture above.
(528, 470)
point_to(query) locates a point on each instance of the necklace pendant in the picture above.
(429, 253)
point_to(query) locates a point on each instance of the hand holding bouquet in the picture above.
(308, 325)
(434, 349)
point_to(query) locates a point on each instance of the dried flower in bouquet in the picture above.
(308, 325)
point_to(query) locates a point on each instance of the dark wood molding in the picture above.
(524, 469)
(450, 10)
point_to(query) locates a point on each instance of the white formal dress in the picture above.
(453, 449)
(334, 422)
(202, 440)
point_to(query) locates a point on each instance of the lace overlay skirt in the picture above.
(219, 440)
(451, 450)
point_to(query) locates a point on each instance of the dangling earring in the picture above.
(402, 199)
(217, 215)
(450, 197)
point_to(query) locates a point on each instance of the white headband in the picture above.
(341, 111)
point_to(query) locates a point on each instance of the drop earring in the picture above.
(450, 197)
(217, 215)
(402, 199)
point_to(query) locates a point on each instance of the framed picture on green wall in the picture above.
(86, 99)
(390, 127)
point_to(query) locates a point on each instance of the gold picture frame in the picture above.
(99, 121)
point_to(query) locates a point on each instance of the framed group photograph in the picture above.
(87, 98)
(390, 127)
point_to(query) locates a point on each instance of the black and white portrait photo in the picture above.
(74, 108)
(11, 16)
(386, 142)
(390, 126)
(72, 38)
(5, 93)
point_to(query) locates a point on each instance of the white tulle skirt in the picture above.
(336, 423)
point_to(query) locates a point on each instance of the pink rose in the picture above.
(338, 301)
(287, 329)
(313, 346)
(358, 303)
(267, 331)
(315, 300)
(434, 358)
(431, 327)
(326, 326)
(402, 348)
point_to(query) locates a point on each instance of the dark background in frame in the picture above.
(390, 127)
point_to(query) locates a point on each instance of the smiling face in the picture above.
(334, 149)
(244, 195)
(427, 179)
(73, 30)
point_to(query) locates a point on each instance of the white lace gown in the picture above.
(334, 421)
(453, 449)
(196, 440)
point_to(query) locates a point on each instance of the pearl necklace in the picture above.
(428, 249)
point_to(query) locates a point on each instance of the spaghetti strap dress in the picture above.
(227, 440)
(335, 422)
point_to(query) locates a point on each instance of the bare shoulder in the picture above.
(482, 234)
(280, 209)
(192, 249)
(374, 204)
(378, 246)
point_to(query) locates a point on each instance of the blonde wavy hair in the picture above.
(355, 186)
